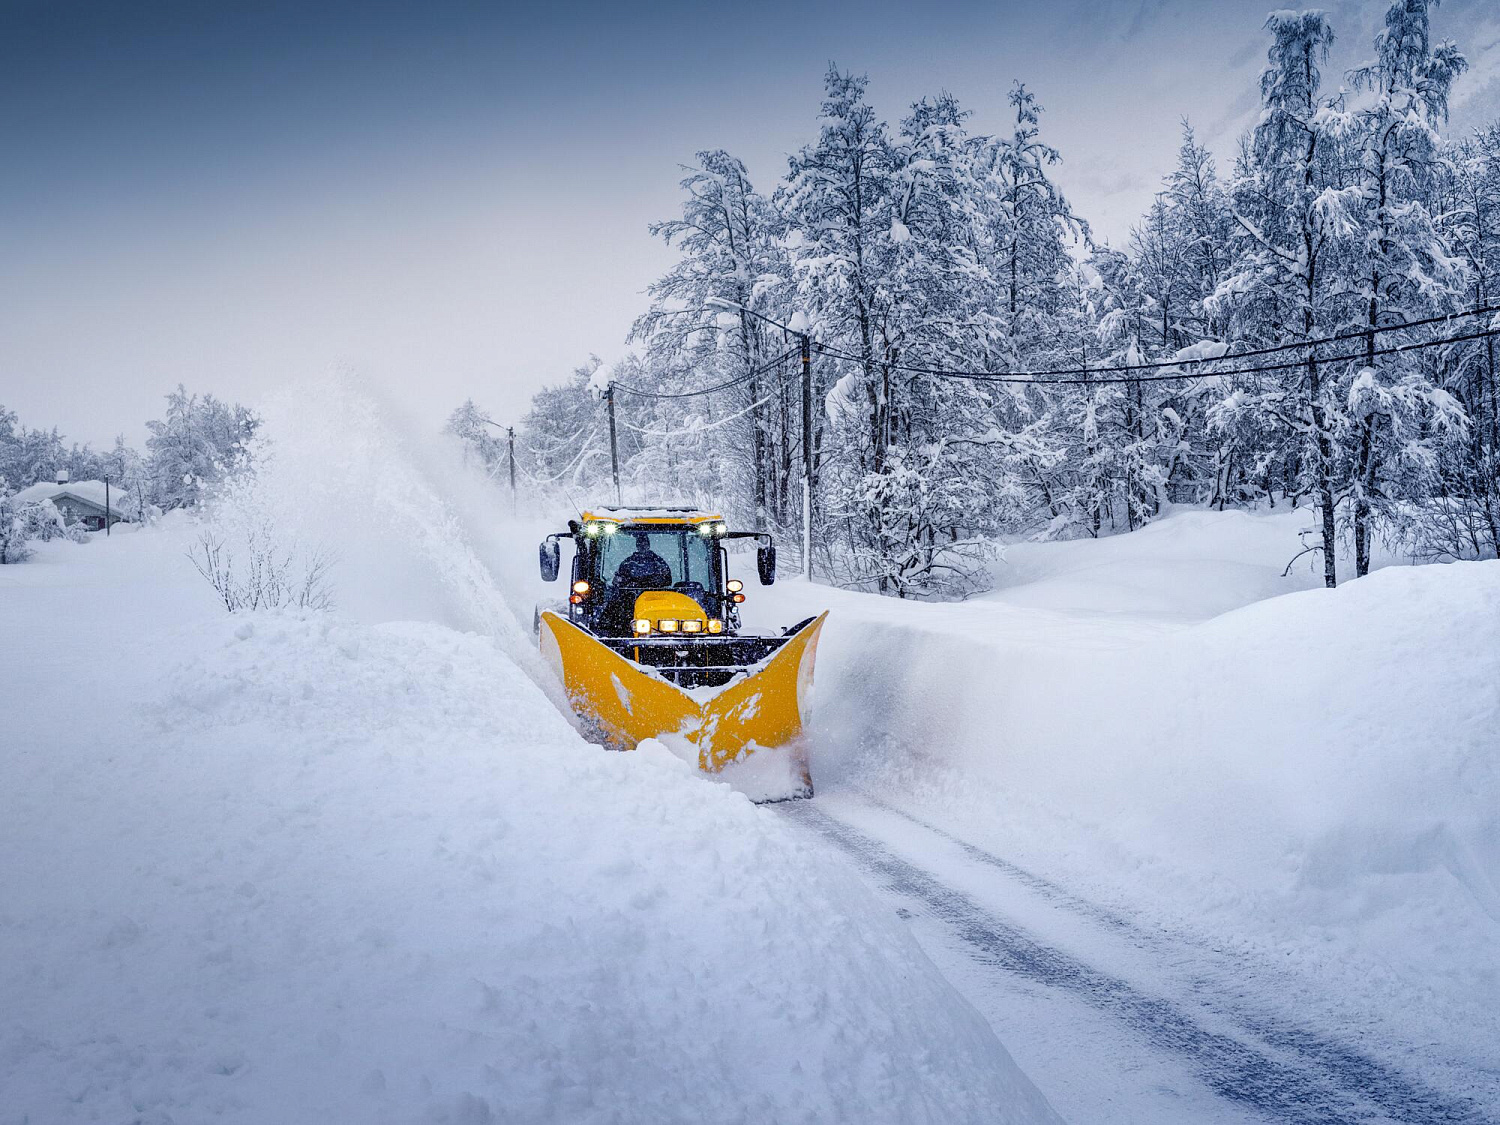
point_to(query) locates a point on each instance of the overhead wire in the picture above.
(736, 381)
(688, 431)
(1157, 365)
(587, 448)
(1074, 376)
(1092, 375)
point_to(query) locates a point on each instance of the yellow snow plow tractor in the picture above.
(649, 644)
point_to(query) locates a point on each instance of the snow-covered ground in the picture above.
(1227, 785)
(1198, 841)
(356, 867)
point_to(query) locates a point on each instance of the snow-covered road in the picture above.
(1115, 1021)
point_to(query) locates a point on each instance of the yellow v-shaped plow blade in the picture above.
(621, 702)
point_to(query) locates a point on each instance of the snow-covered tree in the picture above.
(562, 443)
(13, 537)
(194, 445)
(1399, 262)
(28, 456)
(980, 366)
(1460, 518)
(729, 239)
(479, 437)
(1292, 211)
(1031, 221)
(130, 481)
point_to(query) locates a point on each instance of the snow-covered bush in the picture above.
(77, 533)
(257, 573)
(13, 538)
(42, 521)
(1460, 525)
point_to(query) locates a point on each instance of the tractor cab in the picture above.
(654, 572)
(654, 584)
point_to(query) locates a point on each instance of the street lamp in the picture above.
(799, 328)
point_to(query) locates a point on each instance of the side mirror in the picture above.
(550, 557)
(765, 563)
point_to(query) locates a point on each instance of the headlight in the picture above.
(591, 529)
(667, 625)
(715, 625)
(722, 529)
(609, 528)
(705, 529)
(692, 625)
(642, 626)
(735, 585)
(580, 587)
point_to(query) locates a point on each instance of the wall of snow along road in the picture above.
(354, 866)
(1314, 776)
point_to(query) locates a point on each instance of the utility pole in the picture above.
(106, 507)
(510, 435)
(510, 438)
(807, 457)
(614, 445)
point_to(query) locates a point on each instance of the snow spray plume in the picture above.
(333, 475)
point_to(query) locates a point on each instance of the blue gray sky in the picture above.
(450, 198)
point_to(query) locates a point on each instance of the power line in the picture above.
(587, 448)
(689, 431)
(1091, 378)
(736, 381)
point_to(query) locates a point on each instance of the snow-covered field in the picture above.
(290, 867)
(1199, 842)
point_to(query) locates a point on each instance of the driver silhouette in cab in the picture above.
(644, 567)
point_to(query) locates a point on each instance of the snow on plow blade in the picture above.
(623, 701)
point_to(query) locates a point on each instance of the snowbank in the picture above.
(1314, 776)
(313, 868)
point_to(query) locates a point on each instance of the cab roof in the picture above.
(651, 515)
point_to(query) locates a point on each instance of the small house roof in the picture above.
(87, 491)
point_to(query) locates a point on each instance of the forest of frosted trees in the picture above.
(1091, 397)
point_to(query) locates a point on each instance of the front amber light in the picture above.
(692, 625)
(667, 625)
(642, 626)
(739, 598)
(715, 625)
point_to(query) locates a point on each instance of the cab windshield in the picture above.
(657, 559)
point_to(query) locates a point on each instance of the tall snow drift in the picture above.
(1313, 775)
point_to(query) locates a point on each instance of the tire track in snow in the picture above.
(1052, 892)
(1295, 1039)
(1288, 1073)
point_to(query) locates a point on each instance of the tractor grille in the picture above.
(699, 662)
